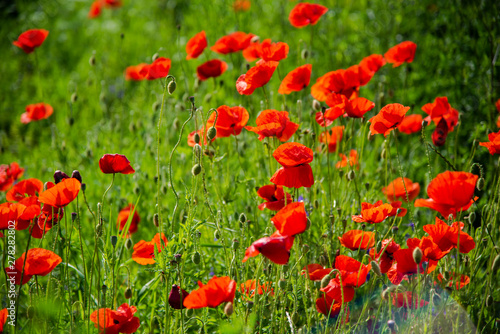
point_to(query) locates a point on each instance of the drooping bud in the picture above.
(196, 138)
(304, 54)
(196, 169)
(325, 281)
(174, 297)
(305, 248)
(367, 186)
(383, 154)
(228, 309)
(128, 243)
(155, 56)
(74, 97)
(217, 235)
(351, 175)
(480, 184)
(417, 255)
(31, 312)
(172, 85)
(212, 132)
(196, 258)
(472, 217)
(243, 218)
(282, 284)
(92, 60)
(177, 257)
(376, 268)
(76, 175)
(128, 293)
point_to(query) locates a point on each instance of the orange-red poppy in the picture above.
(230, 121)
(276, 248)
(38, 262)
(29, 187)
(234, 42)
(338, 292)
(339, 105)
(256, 77)
(137, 72)
(448, 237)
(396, 190)
(61, 194)
(3, 318)
(494, 143)
(274, 123)
(95, 9)
(113, 322)
(345, 82)
(10, 212)
(274, 197)
(374, 213)
(332, 137)
(411, 124)
(124, 216)
(402, 53)
(249, 288)
(291, 220)
(9, 174)
(36, 112)
(304, 14)
(174, 297)
(273, 51)
(450, 192)
(158, 69)
(388, 119)
(211, 69)
(357, 239)
(218, 290)
(352, 160)
(403, 265)
(296, 80)
(296, 171)
(315, 272)
(144, 251)
(115, 163)
(241, 5)
(369, 66)
(196, 45)
(252, 52)
(31, 39)
(407, 300)
(353, 272)
(460, 280)
(385, 257)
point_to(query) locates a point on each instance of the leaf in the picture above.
(145, 288)
(220, 158)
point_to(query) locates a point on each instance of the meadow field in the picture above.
(249, 166)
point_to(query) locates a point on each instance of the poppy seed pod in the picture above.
(196, 169)
(196, 138)
(30, 312)
(174, 297)
(212, 132)
(480, 184)
(376, 268)
(128, 293)
(228, 309)
(235, 244)
(172, 85)
(196, 258)
(417, 255)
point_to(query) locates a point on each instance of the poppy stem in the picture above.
(104, 195)
(402, 177)
(265, 97)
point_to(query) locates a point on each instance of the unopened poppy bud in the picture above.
(316, 204)
(367, 186)
(480, 184)
(216, 235)
(495, 265)
(59, 176)
(92, 60)
(395, 229)
(304, 54)
(436, 298)
(89, 153)
(128, 293)
(383, 154)
(196, 169)
(76, 175)
(243, 218)
(74, 97)
(98, 230)
(308, 224)
(172, 85)
(196, 258)
(156, 220)
(212, 132)
(177, 257)
(472, 217)
(228, 309)
(324, 281)
(417, 255)
(174, 297)
(191, 99)
(30, 312)
(323, 260)
(155, 56)
(376, 268)
(235, 244)
(351, 175)
(176, 124)
(316, 105)
(104, 288)
(114, 240)
(196, 139)
(73, 216)
(128, 244)
(344, 223)
(313, 135)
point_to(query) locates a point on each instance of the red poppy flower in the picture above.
(36, 112)
(352, 159)
(137, 72)
(304, 14)
(328, 306)
(296, 80)
(357, 239)
(252, 52)
(9, 174)
(211, 69)
(316, 272)
(61, 194)
(411, 124)
(387, 119)
(144, 251)
(291, 220)
(276, 248)
(339, 104)
(430, 250)
(274, 197)
(497, 105)
(31, 39)
(124, 216)
(231, 121)
(332, 137)
(373, 213)
(407, 300)
(385, 257)
(494, 143)
(345, 82)
(322, 121)
(336, 291)
(461, 280)
(10, 212)
(402, 53)
(256, 77)
(114, 322)
(396, 190)
(234, 42)
(274, 123)
(158, 69)
(447, 237)
(218, 290)
(450, 192)
(95, 9)
(296, 171)
(441, 109)
(273, 51)
(49, 216)
(115, 163)
(39, 262)
(249, 287)
(201, 132)
(353, 272)
(369, 66)
(241, 5)
(196, 45)
(29, 187)
(403, 265)
(3, 318)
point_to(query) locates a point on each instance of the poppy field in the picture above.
(249, 167)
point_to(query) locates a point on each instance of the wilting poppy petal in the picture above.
(296, 80)
(461, 280)
(402, 53)
(304, 14)
(115, 163)
(196, 45)
(211, 69)
(356, 239)
(61, 194)
(218, 290)
(31, 39)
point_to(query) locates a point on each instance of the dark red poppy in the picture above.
(296, 171)
(332, 137)
(253, 52)
(234, 42)
(296, 80)
(31, 39)
(328, 306)
(345, 82)
(218, 290)
(353, 272)
(304, 14)
(273, 51)
(369, 66)
(274, 197)
(274, 123)
(402, 53)
(158, 69)
(450, 192)
(338, 292)
(398, 188)
(373, 213)
(174, 297)
(144, 251)
(231, 121)
(114, 322)
(448, 237)
(61, 194)
(211, 69)
(411, 124)
(352, 160)
(384, 257)
(137, 72)
(387, 119)
(25, 188)
(459, 280)
(115, 163)
(339, 105)
(291, 220)
(357, 239)
(276, 248)
(36, 112)
(407, 300)
(494, 143)
(9, 175)
(39, 262)
(124, 216)
(315, 272)
(196, 45)
(256, 77)
(249, 288)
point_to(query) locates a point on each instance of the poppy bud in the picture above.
(216, 235)
(196, 257)
(128, 293)
(30, 312)
(308, 224)
(174, 297)
(376, 268)
(489, 301)
(282, 284)
(128, 243)
(316, 105)
(417, 255)
(304, 54)
(383, 154)
(424, 123)
(243, 218)
(395, 229)
(316, 204)
(228, 309)
(196, 169)
(392, 325)
(344, 223)
(98, 230)
(480, 184)
(191, 99)
(209, 153)
(351, 175)
(92, 60)
(59, 176)
(74, 97)
(172, 85)
(89, 153)
(114, 240)
(176, 124)
(472, 217)
(177, 257)
(76, 175)
(436, 298)
(155, 56)
(235, 244)
(367, 186)
(495, 265)
(313, 135)
(212, 132)
(323, 260)
(325, 281)
(73, 216)
(156, 220)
